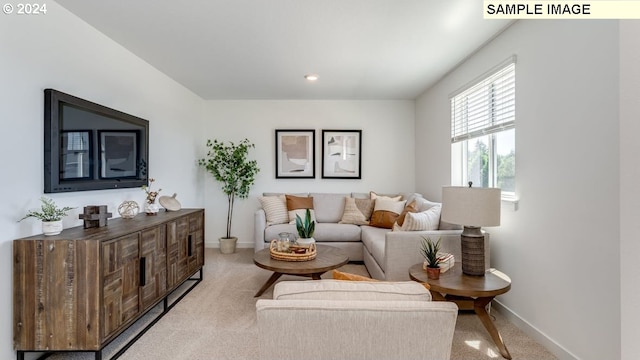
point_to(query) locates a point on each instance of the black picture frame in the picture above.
(295, 154)
(341, 154)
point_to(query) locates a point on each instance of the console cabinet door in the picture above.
(153, 265)
(177, 258)
(196, 239)
(120, 269)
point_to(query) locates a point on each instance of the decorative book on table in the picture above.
(446, 261)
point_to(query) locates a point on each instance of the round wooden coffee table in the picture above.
(327, 258)
(469, 293)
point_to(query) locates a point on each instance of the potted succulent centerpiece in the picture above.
(305, 229)
(429, 251)
(229, 164)
(50, 215)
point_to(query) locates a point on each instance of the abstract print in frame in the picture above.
(341, 154)
(295, 154)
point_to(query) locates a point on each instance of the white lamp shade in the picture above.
(467, 206)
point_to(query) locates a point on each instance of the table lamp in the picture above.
(472, 208)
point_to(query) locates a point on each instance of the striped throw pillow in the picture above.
(426, 220)
(275, 208)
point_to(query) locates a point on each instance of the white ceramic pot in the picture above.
(51, 227)
(228, 245)
(305, 241)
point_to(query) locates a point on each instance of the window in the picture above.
(483, 131)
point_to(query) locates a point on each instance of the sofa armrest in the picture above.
(402, 250)
(259, 224)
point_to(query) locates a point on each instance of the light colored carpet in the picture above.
(217, 320)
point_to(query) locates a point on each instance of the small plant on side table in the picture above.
(51, 216)
(305, 229)
(429, 251)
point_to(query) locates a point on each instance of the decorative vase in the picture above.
(305, 241)
(151, 208)
(51, 227)
(433, 273)
(228, 245)
(128, 209)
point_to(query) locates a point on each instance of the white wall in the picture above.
(629, 193)
(58, 50)
(388, 151)
(561, 247)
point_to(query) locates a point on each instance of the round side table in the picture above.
(469, 293)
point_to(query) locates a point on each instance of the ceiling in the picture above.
(261, 49)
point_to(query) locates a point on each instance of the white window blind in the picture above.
(486, 107)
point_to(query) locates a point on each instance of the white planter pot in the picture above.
(305, 241)
(228, 245)
(51, 227)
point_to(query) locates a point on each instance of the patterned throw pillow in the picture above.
(275, 208)
(386, 212)
(352, 214)
(298, 205)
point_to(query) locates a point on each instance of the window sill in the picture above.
(511, 200)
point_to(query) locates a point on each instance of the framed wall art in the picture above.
(341, 154)
(295, 154)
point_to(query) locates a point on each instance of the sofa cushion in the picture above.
(275, 208)
(271, 232)
(386, 212)
(373, 239)
(328, 232)
(298, 205)
(350, 290)
(352, 214)
(328, 207)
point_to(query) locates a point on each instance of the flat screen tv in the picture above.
(92, 147)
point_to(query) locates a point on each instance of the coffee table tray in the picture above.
(308, 254)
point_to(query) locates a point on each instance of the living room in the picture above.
(576, 111)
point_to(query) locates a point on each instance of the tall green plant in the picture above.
(229, 164)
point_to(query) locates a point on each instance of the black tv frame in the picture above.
(53, 183)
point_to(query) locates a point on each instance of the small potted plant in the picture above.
(51, 216)
(305, 229)
(429, 251)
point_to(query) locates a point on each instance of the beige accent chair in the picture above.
(335, 319)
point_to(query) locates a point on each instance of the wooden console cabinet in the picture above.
(78, 290)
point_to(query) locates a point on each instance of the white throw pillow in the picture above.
(426, 220)
(275, 208)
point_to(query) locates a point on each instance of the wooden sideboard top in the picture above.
(116, 227)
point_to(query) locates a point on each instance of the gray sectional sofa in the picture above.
(387, 254)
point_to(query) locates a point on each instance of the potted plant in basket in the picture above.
(228, 163)
(51, 216)
(305, 229)
(429, 251)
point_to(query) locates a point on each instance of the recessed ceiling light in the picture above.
(311, 77)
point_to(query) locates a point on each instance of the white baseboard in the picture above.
(555, 348)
